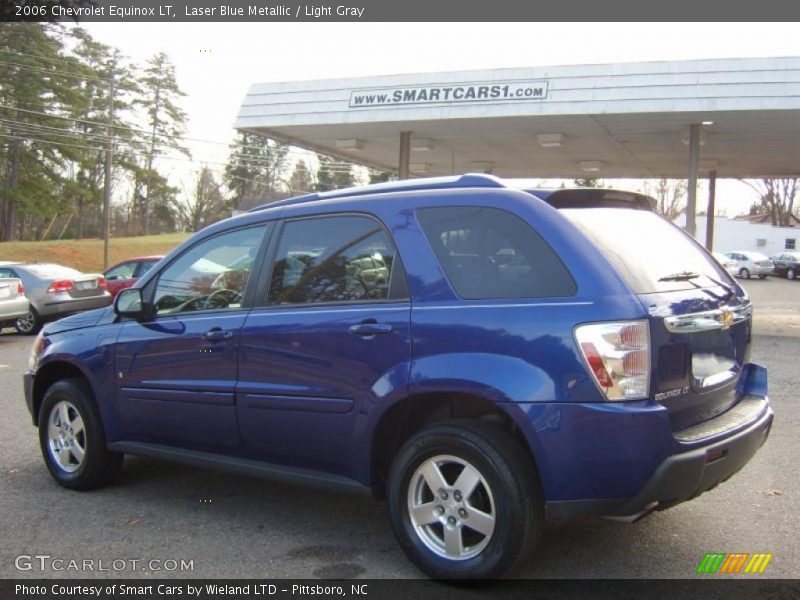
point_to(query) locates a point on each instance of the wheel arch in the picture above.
(51, 373)
(415, 411)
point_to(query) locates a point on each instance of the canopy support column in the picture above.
(405, 155)
(712, 198)
(694, 160)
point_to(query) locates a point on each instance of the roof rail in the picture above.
(469, 180)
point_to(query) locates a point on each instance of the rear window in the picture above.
(488, 253)
(47, 271)
(646, 250)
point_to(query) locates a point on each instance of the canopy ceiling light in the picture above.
(421, 144)
(549, 140)
(350, 144)
(590, 166)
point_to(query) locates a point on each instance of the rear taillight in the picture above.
(21, 288)
(102, 283)
(618, 355)
(59, 286)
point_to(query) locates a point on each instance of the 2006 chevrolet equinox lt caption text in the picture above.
(476, 354)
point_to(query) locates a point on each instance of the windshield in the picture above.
(651, 254)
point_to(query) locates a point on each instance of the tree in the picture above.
(333, 174)
(775, 198)
(376, 176)
(590, 182)
(670, 195)
(256, 165)
(90, 111)
(301, 181)
(166, 121)
(203, 206)
(33, 85)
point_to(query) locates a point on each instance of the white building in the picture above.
(733, 234)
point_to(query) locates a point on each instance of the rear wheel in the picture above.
(762, 276)
(744, 273)
(29, 324)
(72, 438)
(791, 274)
(465, 501)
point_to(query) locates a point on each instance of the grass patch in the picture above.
(87, 255)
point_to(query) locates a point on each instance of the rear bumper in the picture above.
(62, 308)
(11, 310)
(684, 476)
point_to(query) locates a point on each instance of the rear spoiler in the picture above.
(594, 198)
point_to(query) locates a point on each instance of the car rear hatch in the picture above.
(700, 319)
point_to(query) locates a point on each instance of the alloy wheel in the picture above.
(66, 436)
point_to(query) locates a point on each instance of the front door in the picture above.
(176, 372)
(330, 341)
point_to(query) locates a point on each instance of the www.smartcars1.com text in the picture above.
(167, 11)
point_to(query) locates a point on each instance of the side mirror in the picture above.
(129, 303)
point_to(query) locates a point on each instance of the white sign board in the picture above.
(451, 93)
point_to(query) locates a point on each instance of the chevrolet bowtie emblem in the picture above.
(726, 319)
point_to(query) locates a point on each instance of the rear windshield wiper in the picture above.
(684, 276)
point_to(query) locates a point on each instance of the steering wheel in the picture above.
(216, 299)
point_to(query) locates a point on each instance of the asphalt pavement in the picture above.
(232, 526)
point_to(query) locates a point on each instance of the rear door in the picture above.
(176, 371)
(330, 338)
(700, 318)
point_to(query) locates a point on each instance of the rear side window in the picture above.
(651, 254)
(488, 253)
(332, 259)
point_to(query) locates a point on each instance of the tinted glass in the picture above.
(332, 259)
(490, 253)
(210, 276)
(651, 254)
(123, 271)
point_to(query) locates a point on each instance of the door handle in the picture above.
(217, 335)
(370, 328)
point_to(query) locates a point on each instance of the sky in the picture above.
(217, 62)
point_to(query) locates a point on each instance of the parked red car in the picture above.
(123, 275)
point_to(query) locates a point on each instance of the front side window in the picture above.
(488, 253)
(332, 259)
(210, 276)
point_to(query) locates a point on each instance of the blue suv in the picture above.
(478, 355)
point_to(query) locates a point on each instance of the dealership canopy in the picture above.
(612, 120)
(729, 117)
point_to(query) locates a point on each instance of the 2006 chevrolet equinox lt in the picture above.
(478, 355)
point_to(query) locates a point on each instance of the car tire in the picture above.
(762, 276)
(744, 273)
(30, 324)
(791, 274)
(72, 438)
(506, 494)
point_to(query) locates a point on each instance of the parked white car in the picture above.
(731, 265)
(751, 263)
(13, 303)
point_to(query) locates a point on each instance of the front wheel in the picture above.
(744, 273)
(72, 438)
(791, 274)
(465, 501)
(762, 276)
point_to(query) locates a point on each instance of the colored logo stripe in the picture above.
(720, 562)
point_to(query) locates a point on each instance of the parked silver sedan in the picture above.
(13, 303)
(55, 291)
